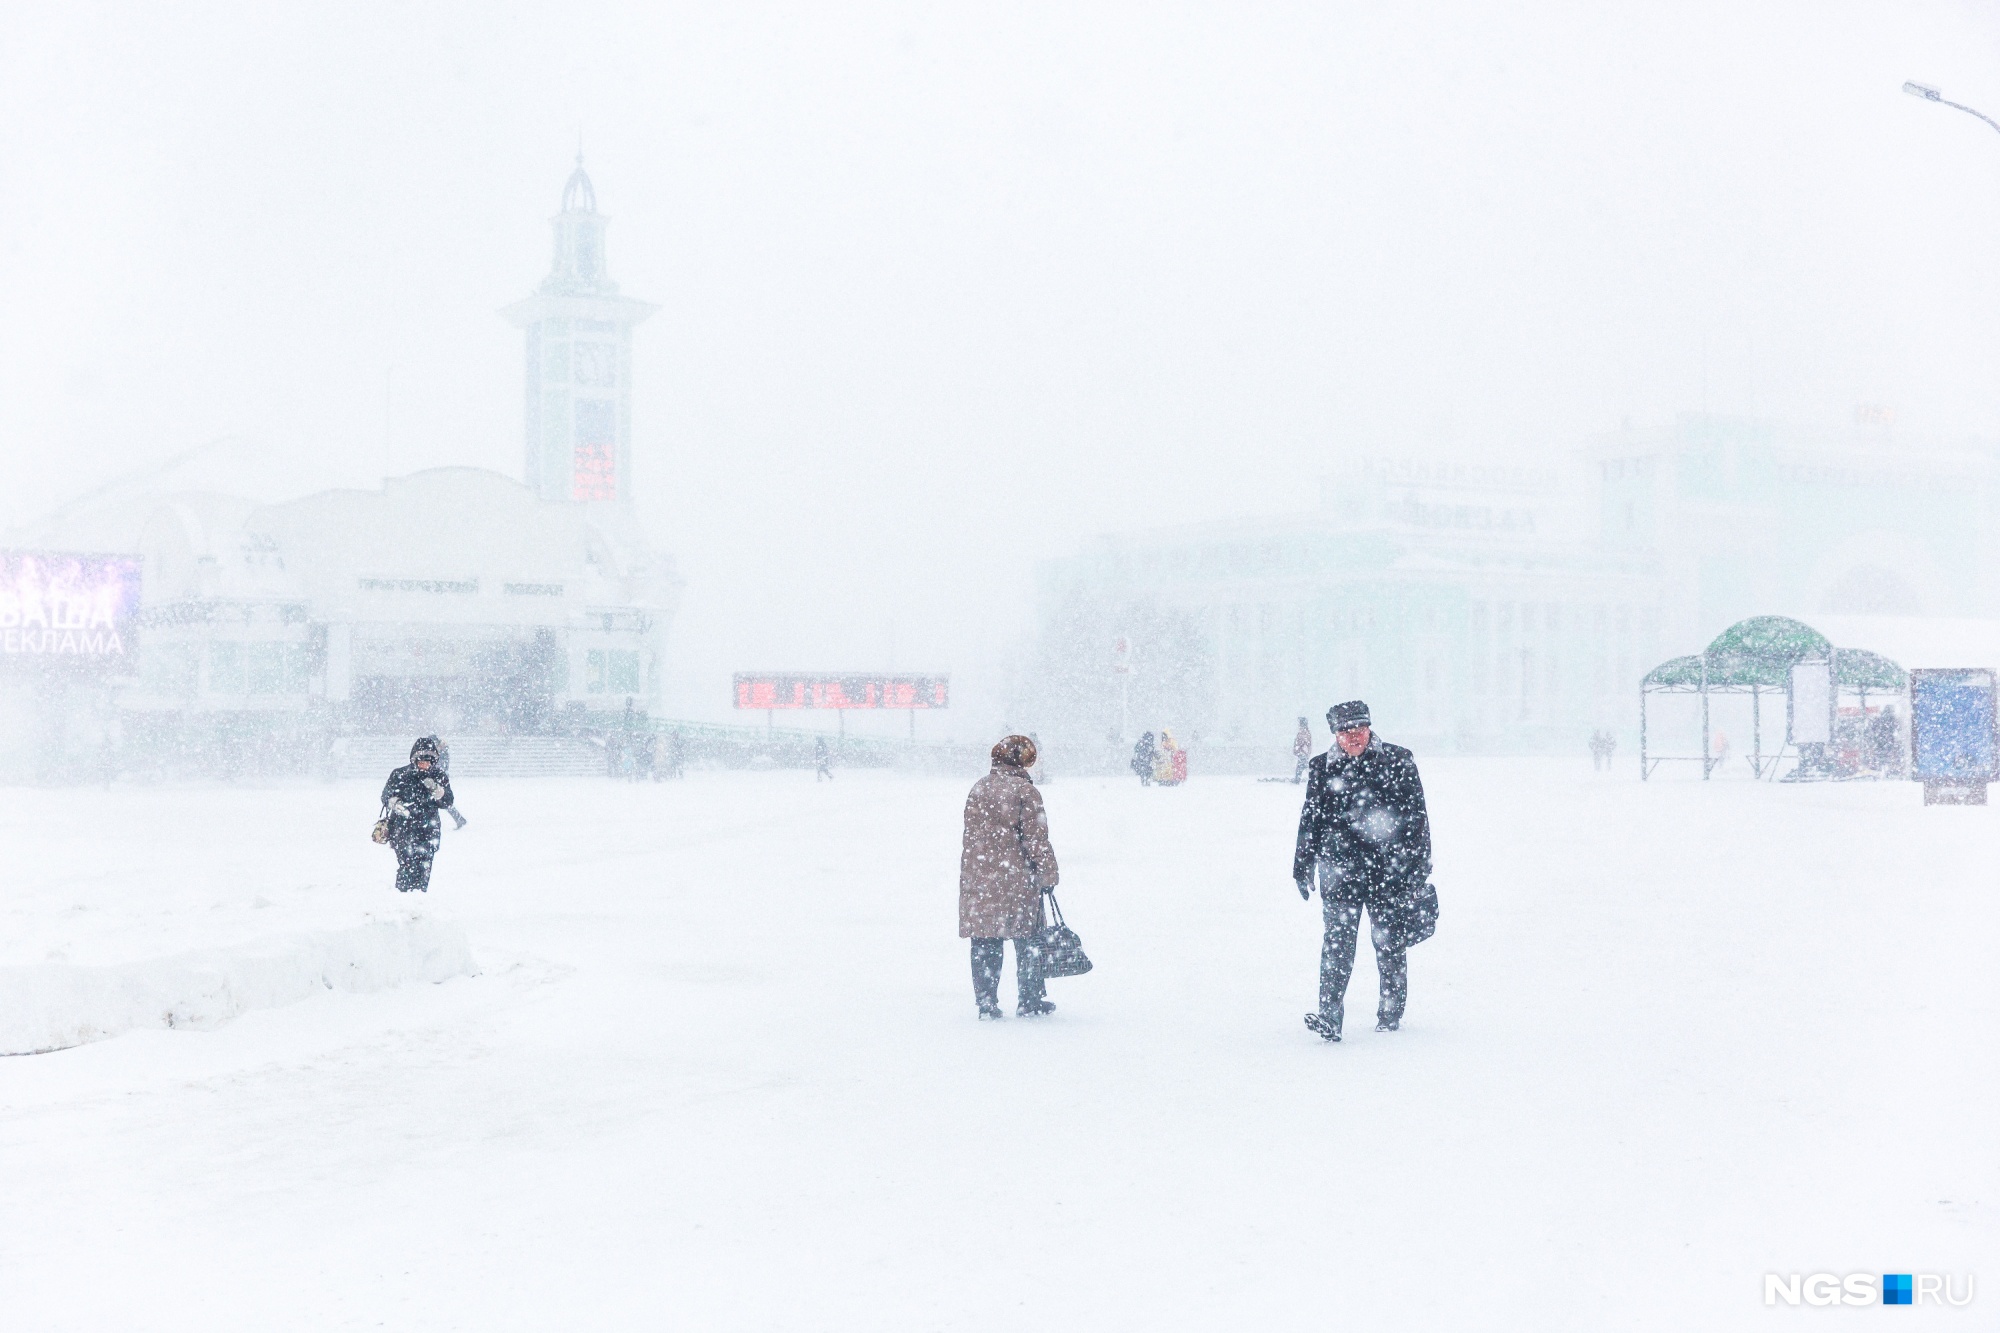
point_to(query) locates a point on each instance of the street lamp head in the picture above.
(1924, 91)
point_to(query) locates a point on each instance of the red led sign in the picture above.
(787, 691)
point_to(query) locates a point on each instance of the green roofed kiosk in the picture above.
(1772, 655)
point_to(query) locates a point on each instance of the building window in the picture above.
(274, 668)
(611, 671)
(171, 670)
(596, 365)
(225, 668)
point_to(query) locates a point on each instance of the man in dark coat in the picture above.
(1005, 867)
(413, 796)
(1365, 831)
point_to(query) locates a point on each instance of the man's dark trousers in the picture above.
(1336, 961)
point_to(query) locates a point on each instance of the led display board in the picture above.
(788, 690)
(61, 607)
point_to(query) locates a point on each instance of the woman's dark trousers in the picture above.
(987, 956)
(413, 862)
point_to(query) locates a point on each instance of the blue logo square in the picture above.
(1895, 1289)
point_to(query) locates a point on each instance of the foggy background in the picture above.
(949, 290)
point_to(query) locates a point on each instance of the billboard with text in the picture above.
(64, 608)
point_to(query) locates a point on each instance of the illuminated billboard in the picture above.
(61, 607)
(787, 690)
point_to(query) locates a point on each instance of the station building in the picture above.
(455, 600)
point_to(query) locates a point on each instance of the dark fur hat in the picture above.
(1347, 716)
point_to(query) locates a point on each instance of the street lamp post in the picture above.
(1930, 94)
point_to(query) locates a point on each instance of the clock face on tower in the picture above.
(596, 365)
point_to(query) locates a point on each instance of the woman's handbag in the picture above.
(381, 833)
(1056, 949)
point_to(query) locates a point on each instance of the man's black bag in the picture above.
(1056, 949)
(1415, 916)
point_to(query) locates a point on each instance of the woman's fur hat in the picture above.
(1015, 752)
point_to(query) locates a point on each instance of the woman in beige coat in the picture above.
(1006, 865)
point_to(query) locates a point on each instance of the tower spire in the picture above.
(579, 359)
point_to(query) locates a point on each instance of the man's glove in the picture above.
(399, 808)
(1305, 888)
(434, 787)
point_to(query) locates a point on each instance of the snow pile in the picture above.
(49, 1006)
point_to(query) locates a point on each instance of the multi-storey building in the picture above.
(1491, 608)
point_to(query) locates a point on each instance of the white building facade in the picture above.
(1491, 609)
(455, 600)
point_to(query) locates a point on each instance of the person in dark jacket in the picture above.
(822, 760)
(413, 796)
(1366, 835)
(1004, 869)
(1143, 755)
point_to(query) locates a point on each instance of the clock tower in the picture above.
(579, 362)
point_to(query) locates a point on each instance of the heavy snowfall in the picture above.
(582, 581)
(701, 1054)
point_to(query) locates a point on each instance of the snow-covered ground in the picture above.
(718, 1068)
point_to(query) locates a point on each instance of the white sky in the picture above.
(948, 289)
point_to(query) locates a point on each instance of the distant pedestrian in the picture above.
(1365, 833)
(444, 771)
(1601, 745)
(822, 760)
(1143, 756)
(410, 802)
(1169, 761)
(649, 755)
(1003, 870)
(1883, 753)
(1038, 773)
(1302, 751)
